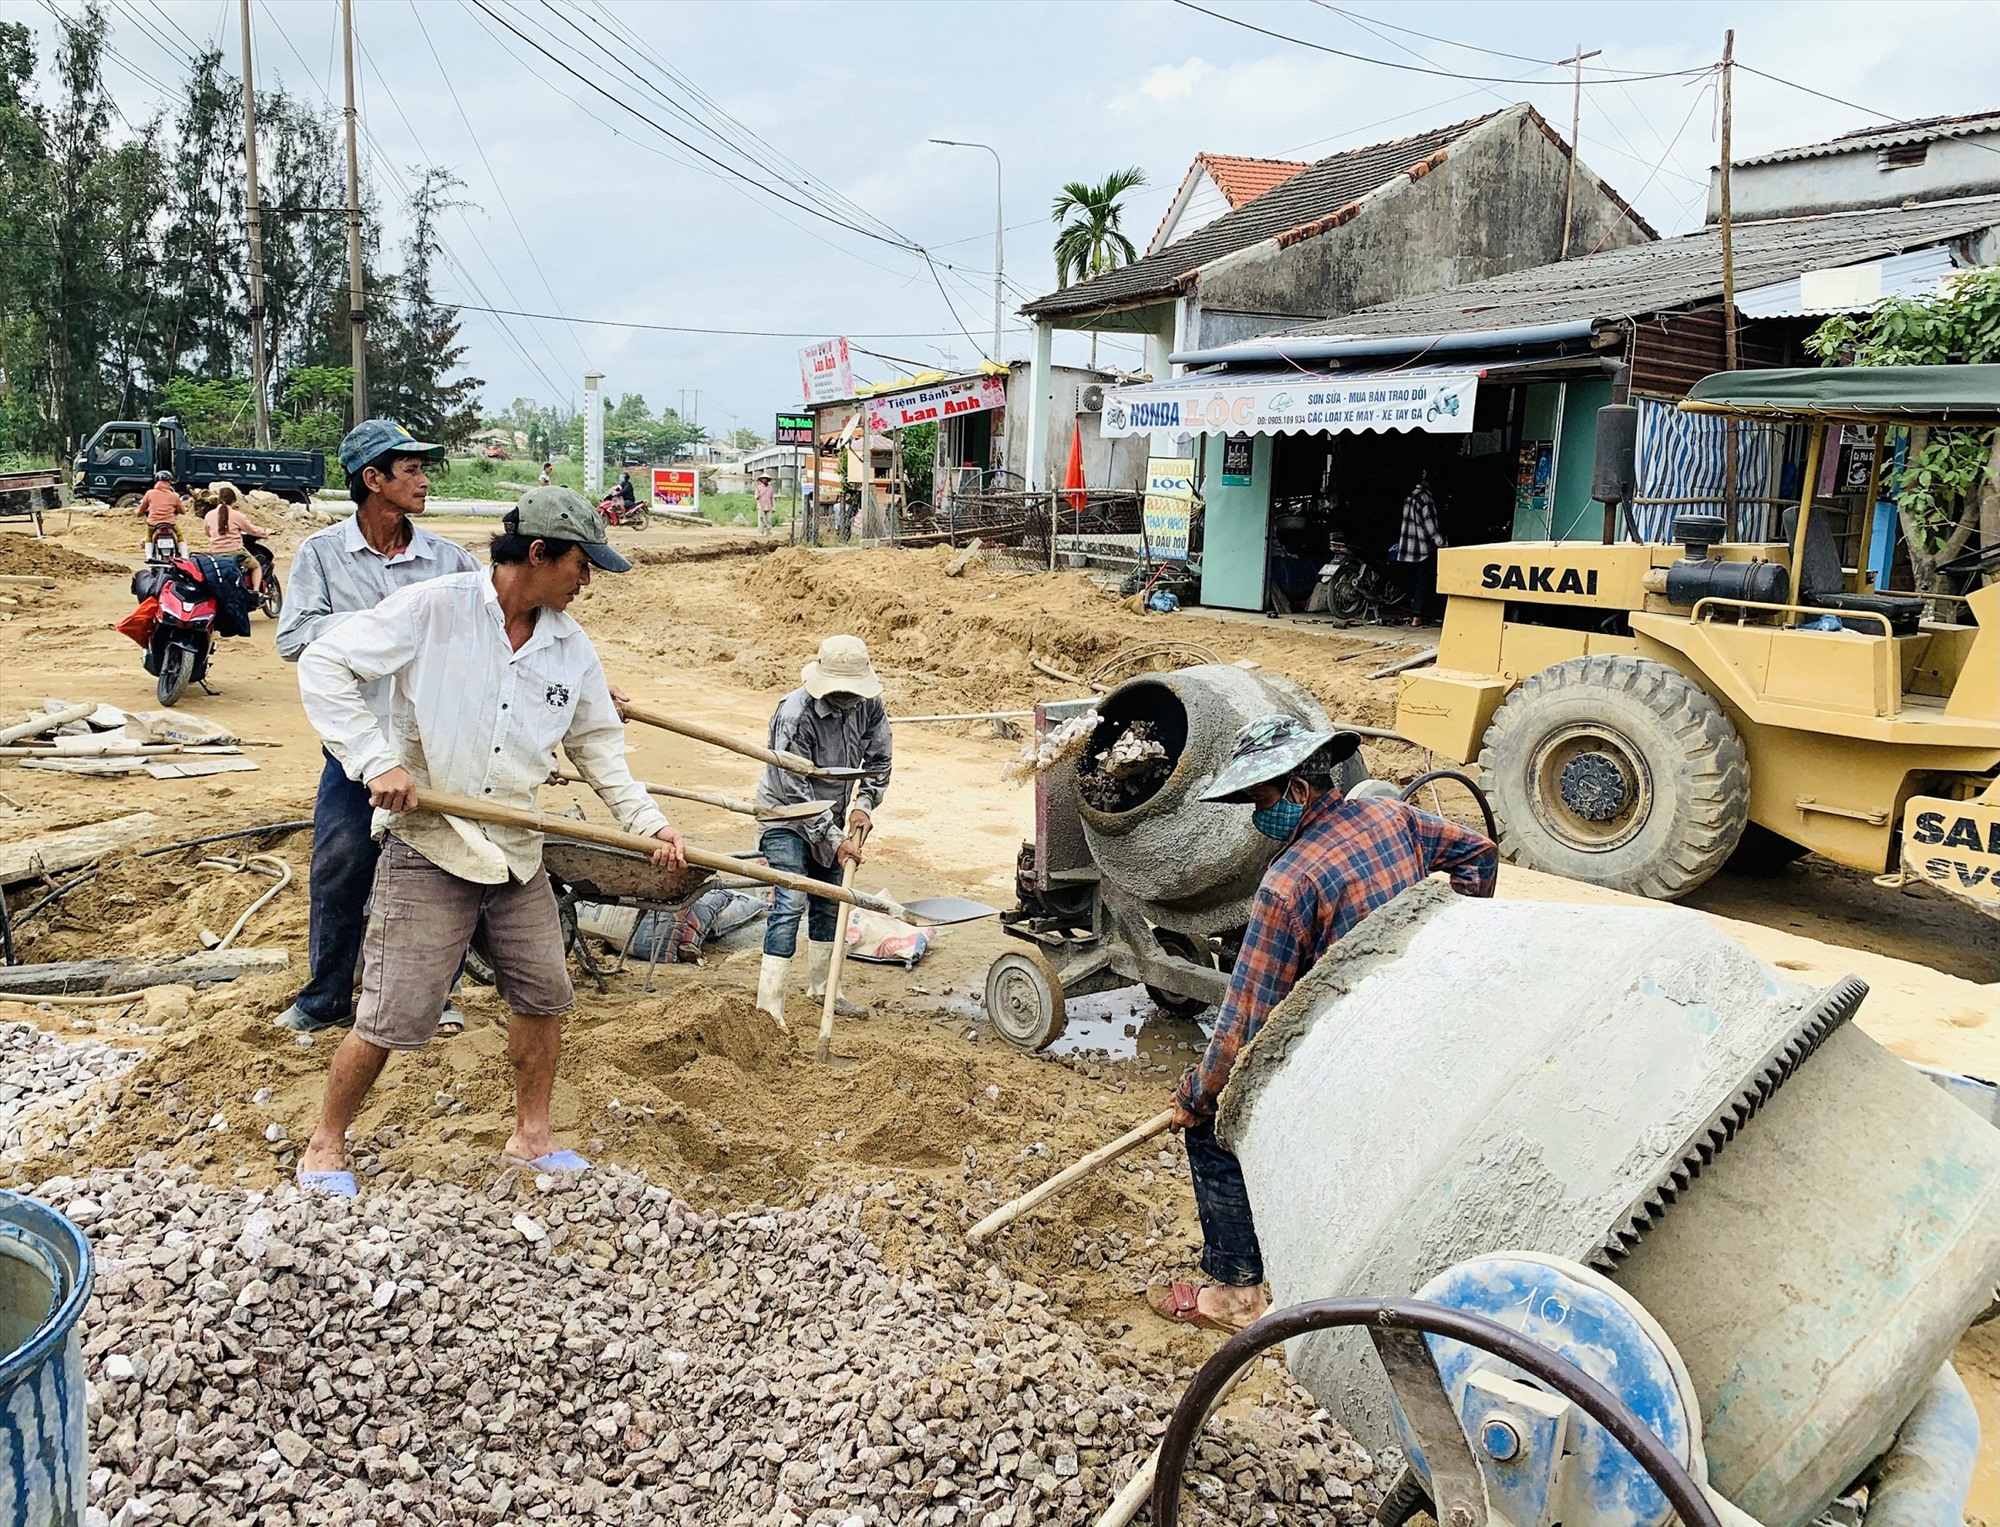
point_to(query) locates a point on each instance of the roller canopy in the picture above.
(1855, 394)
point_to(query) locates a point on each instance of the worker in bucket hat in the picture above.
(836, 718)
(1342, 856)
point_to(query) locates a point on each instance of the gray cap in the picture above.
(560, 513)
(1272, 747)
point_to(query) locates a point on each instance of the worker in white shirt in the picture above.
(491, 675)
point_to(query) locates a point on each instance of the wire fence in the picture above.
(1014, 525)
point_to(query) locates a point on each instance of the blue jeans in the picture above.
(1229, 1251)
(788, 851)
(343, 873)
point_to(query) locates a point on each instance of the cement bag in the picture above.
(885, 940)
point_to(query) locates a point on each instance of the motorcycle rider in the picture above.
(161, 505)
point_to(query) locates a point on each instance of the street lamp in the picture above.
(999, 258)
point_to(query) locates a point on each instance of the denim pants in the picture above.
(1229, 1251)
(788, 851)
(343, 873)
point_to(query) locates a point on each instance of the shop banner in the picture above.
(793, 429)
(1438, 403)
(1169, 506)
(677, 487)
(927, 405)
(826, 371)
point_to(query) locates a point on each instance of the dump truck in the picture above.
(1641, 713)
(119, 462)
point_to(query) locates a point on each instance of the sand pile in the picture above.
(25, 554)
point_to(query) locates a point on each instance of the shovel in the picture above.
(791, 763)
(835, 961)
(789, 813)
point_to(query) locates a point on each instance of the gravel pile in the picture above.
(41, 1077)
(596, 1350)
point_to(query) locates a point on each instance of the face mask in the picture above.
(841, 701)
(1279, 820)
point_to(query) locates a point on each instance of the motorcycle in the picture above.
(270, 593)
(1351, 587)
(185, 606)
(616, 511)
(163, 545)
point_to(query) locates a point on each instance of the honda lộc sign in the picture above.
(1436, 402)
(929, 405)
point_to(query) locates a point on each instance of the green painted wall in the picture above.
(1235, 528)
(1579, 517)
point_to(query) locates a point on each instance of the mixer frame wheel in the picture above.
(1025, 999)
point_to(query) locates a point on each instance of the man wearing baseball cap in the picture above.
(1343, 856)
(836, 718)
(491, 676)
(337, 572)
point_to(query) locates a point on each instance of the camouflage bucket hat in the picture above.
(1269, 749)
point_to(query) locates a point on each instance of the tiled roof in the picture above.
(1317, 194)
(1242, 180)
(1890, 135)
(1643, 279)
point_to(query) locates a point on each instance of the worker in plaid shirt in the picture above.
(1417, 546)
(1342, 859)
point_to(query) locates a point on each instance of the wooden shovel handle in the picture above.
(446, 804)
(653, 715)
(1006, 1214)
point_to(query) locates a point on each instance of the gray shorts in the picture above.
(420, 920)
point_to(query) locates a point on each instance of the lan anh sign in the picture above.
(930, 405)
(793, 429)
(1435, 402)
(677, 487)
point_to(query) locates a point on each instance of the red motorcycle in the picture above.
(184, 606)
(616, 511)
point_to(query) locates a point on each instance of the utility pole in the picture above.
(1730, 506)
(357, 298)
(1575, 126)
(255, 220)
(999, 236)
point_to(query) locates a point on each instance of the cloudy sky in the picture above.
(585, 207)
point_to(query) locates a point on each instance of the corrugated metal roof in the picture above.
(1850, 288)
(1315, 192)
(1868, 139)
(1643, 279)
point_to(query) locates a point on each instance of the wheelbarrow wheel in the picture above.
(1025, 999)
(479, 966)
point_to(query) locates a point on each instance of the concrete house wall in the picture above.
(1863, 176)
(1491, 204)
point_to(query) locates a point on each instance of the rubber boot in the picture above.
(772, 977)
(819, 957)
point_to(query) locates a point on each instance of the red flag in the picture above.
(1073, 483)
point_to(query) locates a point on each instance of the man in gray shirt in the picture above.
(837, 719)
(337, 572)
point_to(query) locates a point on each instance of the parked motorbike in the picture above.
(616, 511)
(185, 605)
(270, 593)
(1352, 587)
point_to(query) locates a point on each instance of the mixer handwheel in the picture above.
(1024, 998)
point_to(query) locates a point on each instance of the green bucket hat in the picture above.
(1271, 748)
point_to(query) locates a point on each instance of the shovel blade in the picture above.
(939, 910)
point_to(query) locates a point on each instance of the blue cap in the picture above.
(373, 437)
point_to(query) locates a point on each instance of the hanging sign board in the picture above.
(677, 487)
(1236, 459)
(826, 371)
(1435, 402)
(793, 429)
(1169, 506)
(928, 405)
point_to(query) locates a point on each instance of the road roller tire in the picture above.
(1617, 771)
(1024, 999)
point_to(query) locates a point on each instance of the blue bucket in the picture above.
(45, 1277)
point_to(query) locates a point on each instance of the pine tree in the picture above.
(421, 344)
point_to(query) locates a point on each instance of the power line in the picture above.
(680, 328)
(1625, 208)
(1879, 116)
(498, 189)
(1386, 63)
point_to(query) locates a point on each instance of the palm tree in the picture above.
(1091, 242)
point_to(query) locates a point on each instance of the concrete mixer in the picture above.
(1156, 886)
(1617, 1134)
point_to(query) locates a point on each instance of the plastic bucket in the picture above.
(45, 1275)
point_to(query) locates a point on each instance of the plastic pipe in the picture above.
(1928, 1474)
